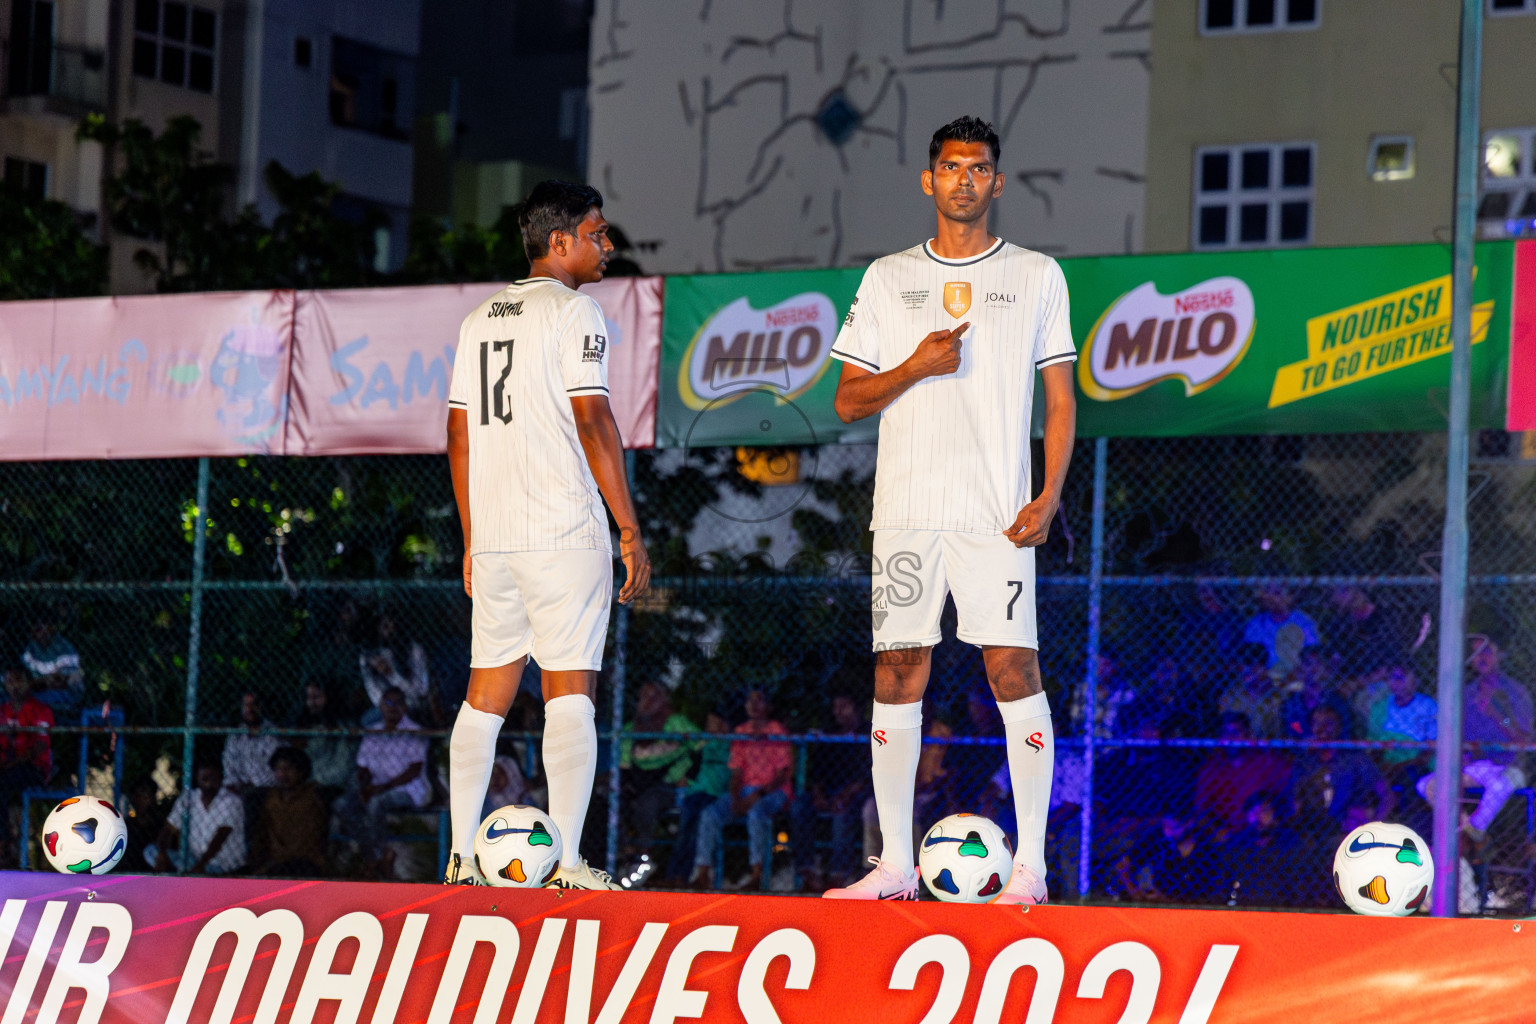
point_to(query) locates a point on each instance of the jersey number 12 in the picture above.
(503, 408)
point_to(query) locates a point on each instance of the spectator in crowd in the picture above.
(391, 776)
(1139, 785)
(1114, 692)
(507, 786)
(387, 661)
(969, 768)
(294, 824)
(761, 774)
(836, 785)
(1231, 775)
(1365, 639)
(1309, 687)
(1328, 778)
(1265, 858)
(652, 769)
(1495, 709)
(1268, 628)
(333, 759)
(144, 818)
(1170, 696)
(1405, 715)
(1257, 696)
(57, 679)
(1064, 827)
(26, 758)
(1174, 862)
(248, 755)
(214, 820)
(1209, 631)
(711, 781)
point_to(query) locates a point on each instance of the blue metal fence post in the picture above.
(1091, 672)
(194, 640)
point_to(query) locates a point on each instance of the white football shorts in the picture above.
(551, 604)
(914, 570)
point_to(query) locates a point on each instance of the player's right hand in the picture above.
(637, 566)
(939, 353)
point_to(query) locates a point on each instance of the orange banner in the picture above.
(128, 949)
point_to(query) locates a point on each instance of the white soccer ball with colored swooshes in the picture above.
(1384, 870)
(84, 835)
(965, 858)
(517, 846)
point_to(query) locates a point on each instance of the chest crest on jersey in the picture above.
(957, 298)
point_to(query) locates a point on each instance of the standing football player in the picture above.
(943, 341)
(534, 453)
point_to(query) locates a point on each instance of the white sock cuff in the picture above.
(897, 716)
(570, 704)
(473, 715)
(1021, 710)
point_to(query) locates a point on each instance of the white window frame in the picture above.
(1528, 7)
(1376, 173)
(1234, 197)
(160, 40)
(1240, 20)
(1521, 186)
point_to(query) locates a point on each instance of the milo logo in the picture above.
(1197, 335)
(741, 349)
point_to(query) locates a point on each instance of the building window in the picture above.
(1222, 17)
(174, 43)
(371, 88)
(1391, 158)
(301, 51)
(30, 68)
(1253, 196)
(1511, 6)
(1508, 205)
(26, 178)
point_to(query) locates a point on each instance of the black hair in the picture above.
(294, 756)
(554, 206)
(964, 129)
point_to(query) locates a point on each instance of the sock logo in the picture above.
(1036, 741)
(879, 737)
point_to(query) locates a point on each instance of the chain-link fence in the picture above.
(1238, 639)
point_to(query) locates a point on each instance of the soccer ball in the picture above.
(517, 846)
(1383, 870)
(965, 858)
(84, 835)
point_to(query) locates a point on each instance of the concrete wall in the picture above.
(706, 144)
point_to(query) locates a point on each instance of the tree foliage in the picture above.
(44, 252)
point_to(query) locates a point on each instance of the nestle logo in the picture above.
(507, 308)
(1199, 302)
(791, 316)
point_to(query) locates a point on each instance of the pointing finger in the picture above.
(954, 335)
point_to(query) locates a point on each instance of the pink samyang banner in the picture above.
(144, 376)
(371, 367)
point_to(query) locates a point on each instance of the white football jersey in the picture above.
(954, 450)
(523, 354)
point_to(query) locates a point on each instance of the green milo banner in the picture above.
(1279, 342)
(745, 360)
(1274, 342)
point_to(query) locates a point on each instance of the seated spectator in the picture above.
(1210, 630)
(711, 781)
(248, 755)
(57, 679)
(1113, 693)
(1171, 696)
(391, 776)
(507, 786)
(293, 827)
(1309, 687)
(969, 768)
(386, 660)
(1365, 638)
(1265, 858)
(214, 820)
(1328, 779)
(1230, 776)
(1142, 784)
(836, 784)
(1495, 709)
(145, 818)
(1174, 862)
(1257, 696)
(26, 758)
(1267, 628)
(761, 775)
(333, 759)
(651, 770)
(1405, 715)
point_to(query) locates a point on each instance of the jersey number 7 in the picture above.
(502, 406)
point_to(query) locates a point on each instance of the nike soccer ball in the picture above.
(517, 846)
(965, 859)
(84, 835)
(1383, 870)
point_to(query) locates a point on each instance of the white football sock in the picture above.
(895, 742)
(570, 765)
(471, 753)
(1031, 764)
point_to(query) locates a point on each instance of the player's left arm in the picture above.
(1033, 524)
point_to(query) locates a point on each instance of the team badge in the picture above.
(957, 298)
